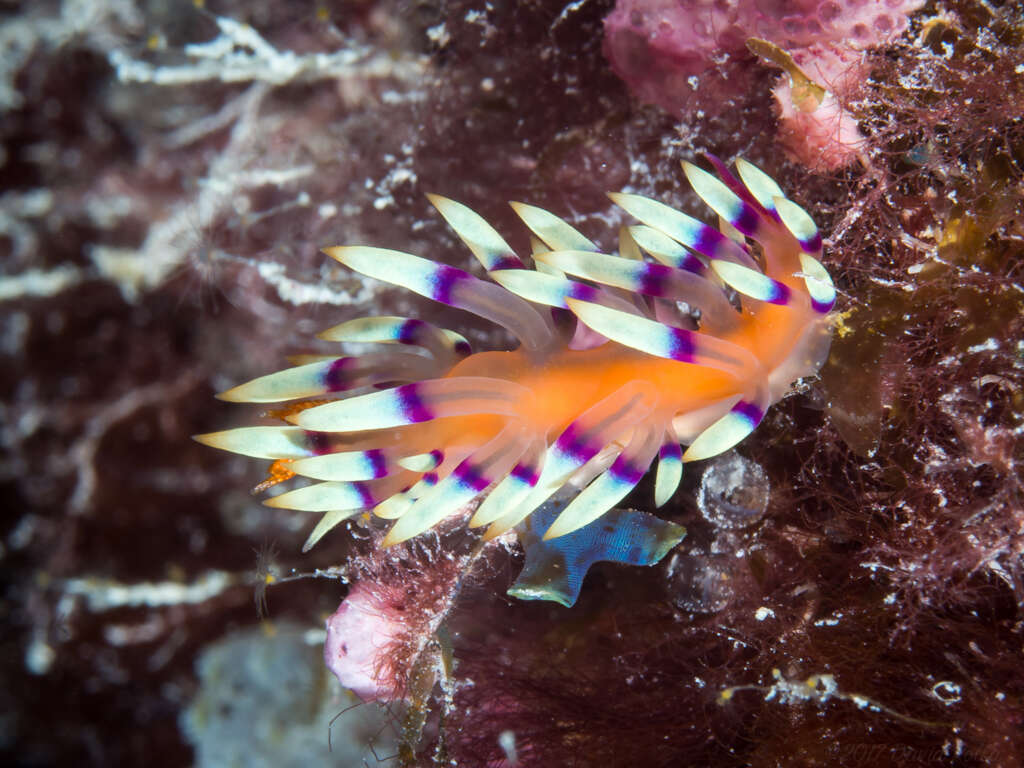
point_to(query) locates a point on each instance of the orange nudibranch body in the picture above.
(689, 347)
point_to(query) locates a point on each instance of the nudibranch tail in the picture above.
(684, 337)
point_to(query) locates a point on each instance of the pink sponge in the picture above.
(680, 53)
(363, 636)
(821, 134)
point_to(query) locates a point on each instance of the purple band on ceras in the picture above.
(319, 442)
(525, 474)
(468, 475)
(583, 292)
(337, 377)
(572, 442)
(366, 498)
(748, 411)
(411, 404)
(444, 280)
(713, 243)
(748, 221)
(378, 464)
(822, 307)
(410, 332)
(509, 261)
(813, 245)
(691, 263)
(655, 279)
(627, 472)
(681, 344)
(782, 294)
(670, 450)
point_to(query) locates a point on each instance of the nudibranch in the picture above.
(684, 337)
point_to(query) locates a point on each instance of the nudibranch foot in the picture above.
(554, 569)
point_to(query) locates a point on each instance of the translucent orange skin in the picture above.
(567, 382)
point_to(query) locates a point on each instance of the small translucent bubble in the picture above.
(733, 492)
(700, 583)
(883, 23)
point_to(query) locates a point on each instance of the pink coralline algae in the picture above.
(693, 55)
